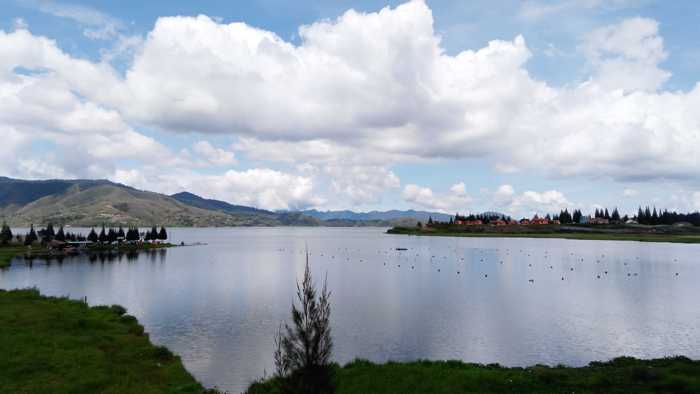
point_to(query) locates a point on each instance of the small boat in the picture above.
(401, 248)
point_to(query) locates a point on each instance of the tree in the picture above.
(111, 235)
(615, 216)
(303, 351)
(5, 234)
(133, 234)
(120, 233)
(577, 216)
(92, 237)
(60, 235)
(153, 234)
(162, 235)
(49, 233)
(103, 235)
(31, 237)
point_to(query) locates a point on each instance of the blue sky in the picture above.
(519, 106)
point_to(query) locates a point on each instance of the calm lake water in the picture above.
(516, 302)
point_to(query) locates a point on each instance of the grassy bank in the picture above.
(622, 375)
(8, 253)
(599, 236)
(62, 346)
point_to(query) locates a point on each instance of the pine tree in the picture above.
(577, 216)
(49, 233)
(162, 235)
(60, 235)
(111, 235)
(103, 235)
(31, 237)
(120, 233)
(154, 233)
(5, 234)
(92, 237)
(303, 351)
(606, 214)
(615, 215)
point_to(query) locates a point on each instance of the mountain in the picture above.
(216, 205)
(93, 203)
(385, 216)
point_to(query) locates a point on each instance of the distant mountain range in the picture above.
(84, 202)
(377, 215)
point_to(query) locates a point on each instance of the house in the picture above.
(539, 221)
(598, 221)
(498, 222)
(512, 222)
(525, 222)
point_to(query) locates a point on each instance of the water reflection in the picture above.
(511, 301)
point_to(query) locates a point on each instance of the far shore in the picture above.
(553, 232)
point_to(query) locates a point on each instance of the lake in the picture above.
(511, 301)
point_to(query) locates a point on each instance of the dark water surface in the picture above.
(480, 300)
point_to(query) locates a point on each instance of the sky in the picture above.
(517, 106)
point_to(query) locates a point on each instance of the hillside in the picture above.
(216, 205)
(97, 202)
(85, 202)
(109, 203)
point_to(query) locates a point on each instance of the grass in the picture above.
(9, 252)
(622, 375)
(639, 237)
(62, 346)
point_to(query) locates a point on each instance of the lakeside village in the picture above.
(48, 241)
(645, 216)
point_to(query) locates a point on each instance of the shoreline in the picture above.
(7, 253)
(583, 236)
(64, 345)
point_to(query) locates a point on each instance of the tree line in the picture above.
(105, 235)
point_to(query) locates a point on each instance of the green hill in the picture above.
(92, 203)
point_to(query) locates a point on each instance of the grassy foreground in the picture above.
(622, 375)
(641, 237)
(58, 345)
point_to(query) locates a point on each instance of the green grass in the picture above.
(7, 253)
(673, 238)
(58, 345)
(622, 375)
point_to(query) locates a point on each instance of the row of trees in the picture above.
(49, 234)
(654, 217)
(486, 218)
(132, 234)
